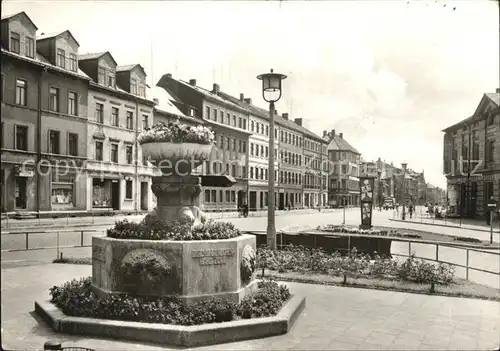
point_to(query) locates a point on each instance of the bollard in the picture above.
(27, 241)
(52, 345)
(432, 287)
(81, 238)
(467, 265)
(437, 252)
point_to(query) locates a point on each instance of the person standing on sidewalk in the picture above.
(410, 210)
(488, 210)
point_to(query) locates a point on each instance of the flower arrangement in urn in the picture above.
(176, 133)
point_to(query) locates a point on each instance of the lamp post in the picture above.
(271, 93)
(403, 165)
(379, 190)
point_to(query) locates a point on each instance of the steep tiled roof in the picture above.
(52, 35)
(90, 56)
(495, 97)
(211, 95)
(260, 112)
(17, 14)
(340, 144)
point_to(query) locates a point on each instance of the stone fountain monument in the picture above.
(189, 269)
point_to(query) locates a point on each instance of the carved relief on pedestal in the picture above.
(248, 263)
(144, 272)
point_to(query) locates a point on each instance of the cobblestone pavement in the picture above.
(335, 318)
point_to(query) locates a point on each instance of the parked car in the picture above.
(389, 203)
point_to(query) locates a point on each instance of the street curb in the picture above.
(177, 335)
(445, 225)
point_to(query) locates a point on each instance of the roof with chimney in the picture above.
(164, 101)
(263, 113)
(338, 143)
(45, 36)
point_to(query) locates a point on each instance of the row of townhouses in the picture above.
(70, 123)
(471, 157)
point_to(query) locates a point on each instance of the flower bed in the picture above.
(175, 230)
(352, 230)
(76, 298)
(316, 261)
(176, 133)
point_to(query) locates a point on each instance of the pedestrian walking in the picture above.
(410, 210)
(397, 209)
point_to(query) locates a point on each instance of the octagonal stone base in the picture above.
(188, 270)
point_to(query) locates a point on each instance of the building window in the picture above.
(98, 150)
(133, 86)
(101, 75)
(129, 154)
(111, 81)
(72, 104)
(130, 120)
(228, 144)
(54, 99)
(61, 58)
(114, 153)
(142, 90)
(490, 150)
(244, 144)
(54, 138)
(99, 112)
(73, 144)
(207, 112)
(191, 112)
(144, 122)
(221, 116)
(128, 190)
(207, 196)
(21, 138)
(14, 42)
(114, 117)
(73, 62)
(30, 47)
(228, 119)
(21, 92)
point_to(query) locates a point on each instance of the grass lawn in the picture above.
(461, 287)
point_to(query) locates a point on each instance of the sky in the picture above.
(389, 75)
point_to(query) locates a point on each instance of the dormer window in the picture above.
(111, 81)
(61, 58)
(30, 47)
(101, 76)
(15, 42)
(133, 86)
(142, 90)
(73, 63)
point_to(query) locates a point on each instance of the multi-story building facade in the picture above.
(118, 175)
(230, 124)
(344, 160)
(298, 180)
(44, 117)
(472, 159)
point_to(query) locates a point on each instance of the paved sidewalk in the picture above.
(335, 318)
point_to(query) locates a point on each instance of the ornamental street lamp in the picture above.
(271, 93)
(403, 165)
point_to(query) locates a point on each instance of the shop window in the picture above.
(101, 193)
(20, 192)
(128, 190)
(62, 194)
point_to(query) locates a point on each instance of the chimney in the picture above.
(242, 97)
(215, 89)
(285, 116)
(332, 133)
(157, 102)
(341, 135)
(325, 133)
(498, 91)
(192, 82)
(248, 101)
(169, 75)
(298, 121)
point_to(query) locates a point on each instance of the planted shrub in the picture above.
(305, 260)
(76, 298)
(183, 229)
